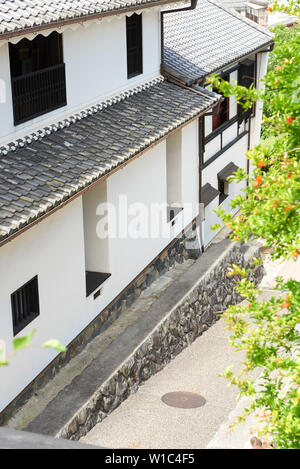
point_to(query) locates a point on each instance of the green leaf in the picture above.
(55, 344)
(21, 342)
(4, 362)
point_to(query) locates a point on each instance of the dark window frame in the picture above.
(134, 45)
(25, 304)
(240, 117)
(246, 76)
(240, 134)
(224, 111)
(38, 79)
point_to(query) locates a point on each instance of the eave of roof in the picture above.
(37, 16)
(43, 172)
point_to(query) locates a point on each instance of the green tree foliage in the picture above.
(26, 341)
(269, 210)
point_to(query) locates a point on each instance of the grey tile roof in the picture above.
(209, 193)
(204, 40)
(227, 171)
(240, 4)
(16, 15)
(39, 173)
(234, 4)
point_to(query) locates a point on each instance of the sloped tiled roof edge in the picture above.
(21, 17)
(48, 130)
(43, 174)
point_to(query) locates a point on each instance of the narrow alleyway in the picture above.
(144, 421)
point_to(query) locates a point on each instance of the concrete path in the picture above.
(144, 421)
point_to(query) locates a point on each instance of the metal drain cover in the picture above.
(183, 399)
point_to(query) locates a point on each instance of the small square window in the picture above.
(25, 305)
(224, 191)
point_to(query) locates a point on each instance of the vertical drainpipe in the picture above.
(250, 118)
(200, 157)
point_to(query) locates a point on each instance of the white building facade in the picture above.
(106, 126)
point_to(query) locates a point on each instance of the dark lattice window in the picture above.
(37, 76)
(25, 305)
(134, 45)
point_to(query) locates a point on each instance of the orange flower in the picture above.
(295, 253)
(289, 120)
(260, 164)
(289, 175)
(270, 9)
(285, 304)
(274, 204)
(257, 182)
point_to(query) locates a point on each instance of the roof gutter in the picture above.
(81, 19)
(258, 50)
(192, 6)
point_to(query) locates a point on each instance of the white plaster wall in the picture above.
(211, 218)
(262, 63)
(96, 248)
(207, 125)
(6, 113)
(96, 58)
(190, 163)
(143, 181)
(236, 154)
(53, 250)
(229, 134)
(233, 77)
(96, 68)
(174, 163)
(211, 148)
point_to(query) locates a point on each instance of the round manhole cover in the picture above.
(183, 399)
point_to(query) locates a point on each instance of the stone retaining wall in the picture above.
(197, 310)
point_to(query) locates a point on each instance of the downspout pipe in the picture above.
(192, 6)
